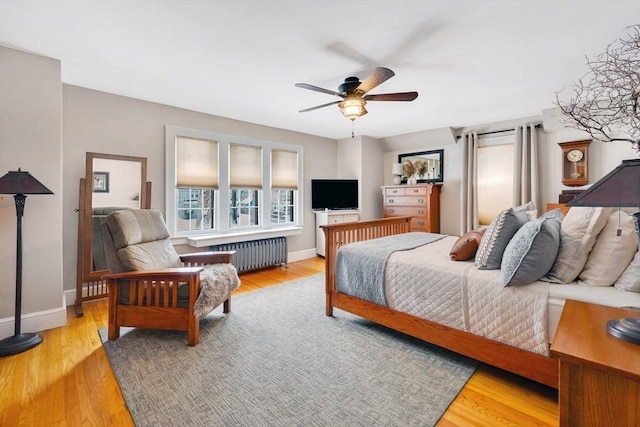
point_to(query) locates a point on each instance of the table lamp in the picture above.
(396, 171)
(20, 184)
(619, 188)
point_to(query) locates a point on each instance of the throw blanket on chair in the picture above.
(216, 283)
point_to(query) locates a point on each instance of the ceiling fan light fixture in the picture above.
(353, 108)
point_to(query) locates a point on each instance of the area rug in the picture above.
(277, 360)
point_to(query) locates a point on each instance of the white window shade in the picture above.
(245, 166)
(495, 180)
(284, 170)
(196, 163)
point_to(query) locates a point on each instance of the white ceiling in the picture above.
(472, 62)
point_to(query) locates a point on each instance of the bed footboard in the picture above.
(337, 235)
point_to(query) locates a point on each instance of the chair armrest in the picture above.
(165, 273)
(211, 257)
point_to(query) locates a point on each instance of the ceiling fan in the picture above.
(354, 93)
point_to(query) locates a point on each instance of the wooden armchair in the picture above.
(149, 284)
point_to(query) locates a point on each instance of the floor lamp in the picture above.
(20, 184)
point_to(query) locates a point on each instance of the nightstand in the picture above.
(599, 374)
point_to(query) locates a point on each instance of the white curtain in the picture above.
(469, 182)
(526, 178)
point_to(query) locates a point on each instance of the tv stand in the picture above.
(331, 217)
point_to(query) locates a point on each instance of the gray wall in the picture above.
(30, 115)
(106, 123)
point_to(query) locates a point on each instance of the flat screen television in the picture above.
(334, 194)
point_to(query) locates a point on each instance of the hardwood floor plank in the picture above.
(68, 381)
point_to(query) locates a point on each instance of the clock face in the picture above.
(575, 155)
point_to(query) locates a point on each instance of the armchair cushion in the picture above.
(149, 256)
(141, 240)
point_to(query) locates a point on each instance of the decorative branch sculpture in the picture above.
(606, 101)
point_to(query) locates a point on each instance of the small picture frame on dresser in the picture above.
(428, 166)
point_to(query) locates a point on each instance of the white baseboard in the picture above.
(70, 296)
(300, 255)
(35, 322)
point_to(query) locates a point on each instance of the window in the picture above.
(195, 184)
(495, 176)
(221, 185)
(195, 209)
(282, 207)
(244, 207)
(284, 184)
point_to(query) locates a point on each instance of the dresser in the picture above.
(331, 217)
(420, 201)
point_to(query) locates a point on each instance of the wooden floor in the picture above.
(68, 381)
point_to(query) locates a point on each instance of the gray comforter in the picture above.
(360, 266)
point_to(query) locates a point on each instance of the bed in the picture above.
(456, 326)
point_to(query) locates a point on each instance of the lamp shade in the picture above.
(396, 169)
(619, 188)
(19, 182)
(352, 108)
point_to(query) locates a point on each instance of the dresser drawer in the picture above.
(406, 191)
(406, 201)
(421, 224)
(405, 211)
(338, 219)
(350, 218)
(394, 191)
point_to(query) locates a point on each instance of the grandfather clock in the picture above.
(575, 163)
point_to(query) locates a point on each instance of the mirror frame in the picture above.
(89, 285)
(422, 155)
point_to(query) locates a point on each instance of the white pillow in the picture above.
(611, 253)
(578, 233)
(630, 279)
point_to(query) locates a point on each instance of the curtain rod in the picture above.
(538, 126)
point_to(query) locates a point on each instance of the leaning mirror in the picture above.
(423, 166)
(111, 182)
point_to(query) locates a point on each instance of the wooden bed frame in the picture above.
(534, 366)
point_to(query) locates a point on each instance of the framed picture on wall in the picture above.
(101, 182)
(423, 166)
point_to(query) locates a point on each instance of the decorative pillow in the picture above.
(611, 254)
(467, 245)
(497, 236)
(531, 252)
(578, 233)
(555, 213)
(630, 279)
(527, 207)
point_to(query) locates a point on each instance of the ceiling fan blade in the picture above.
(317, 89)
(379, 76)
(401, 96)
(319, 106)
(348, 52)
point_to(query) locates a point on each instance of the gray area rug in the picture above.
(277, 360)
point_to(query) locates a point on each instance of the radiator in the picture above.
(256, 254)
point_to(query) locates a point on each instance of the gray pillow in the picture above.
(531, 252)
(497, 237)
